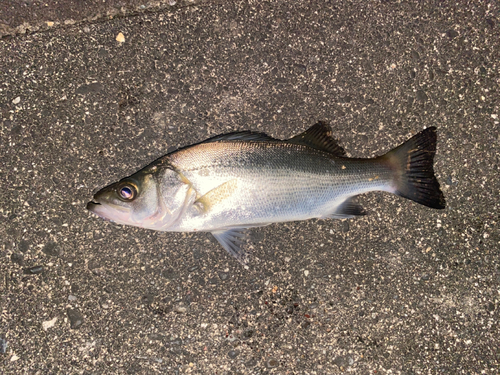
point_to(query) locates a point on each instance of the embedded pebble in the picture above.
(51, 249)
(120, 38)
(23, 246)
(233, 354)
(272, 363)
(75, 318)
(248, 333)
(223, 275)
(33, 270)
(49, 323)
(3, 345)
(421, 96)
(16, 100)
(90, 88)
(17, 258)
(180, 308)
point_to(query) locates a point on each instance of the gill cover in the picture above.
(146, 199)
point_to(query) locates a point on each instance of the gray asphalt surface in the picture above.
(403, 290)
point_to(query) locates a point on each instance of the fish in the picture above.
(232, 182)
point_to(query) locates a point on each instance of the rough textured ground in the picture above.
(29, 16)
(404, 290)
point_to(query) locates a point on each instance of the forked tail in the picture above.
(413, 163)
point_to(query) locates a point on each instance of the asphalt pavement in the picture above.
(92, 94)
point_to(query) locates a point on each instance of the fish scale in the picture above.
(279, 182)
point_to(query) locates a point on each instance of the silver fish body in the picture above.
(241, 180)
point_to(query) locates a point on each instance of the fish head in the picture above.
(150, 198)
(130, 201)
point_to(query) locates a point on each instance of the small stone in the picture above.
(180, 308)
(272, 363)
(198, 254)
(421, 96)
(3, 345)
(51, 249)
(172, 2)
(306, 273)
(452, 34)
(223, 276)
(345, 226)
(341, 361)
(16, 100)
(71, 297)
(490, 307)
(169, 274)
(175, 342)
(75, 318)
(120, 38)
(252, 362)
(49, 323)
(14, 358)
(233, 354)
(33, 270)
(23, 246)
(248, 333)
(50, 23)
(91, 88)
(17, 258)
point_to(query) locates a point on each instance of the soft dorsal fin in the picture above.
(241, 136)
(319, 136)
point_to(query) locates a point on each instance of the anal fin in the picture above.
(347, 209)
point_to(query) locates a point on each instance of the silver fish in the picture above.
(235, 181)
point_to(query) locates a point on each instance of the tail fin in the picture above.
(413, 162)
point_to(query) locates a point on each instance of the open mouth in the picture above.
(91, 205)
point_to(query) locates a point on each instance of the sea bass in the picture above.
(240, 180)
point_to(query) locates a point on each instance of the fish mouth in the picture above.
(91, 205)
(103, 211)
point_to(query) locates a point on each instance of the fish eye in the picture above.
(127, 192)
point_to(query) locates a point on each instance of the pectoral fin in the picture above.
(231, 239)
(218, 194)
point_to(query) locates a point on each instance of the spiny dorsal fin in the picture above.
(319, 136)
(241, 136)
